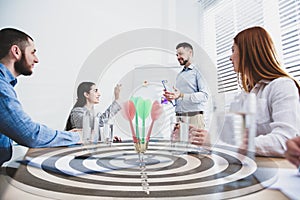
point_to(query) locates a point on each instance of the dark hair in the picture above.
(81, 100)
(184, 45)
(10, 37)
(82, 88)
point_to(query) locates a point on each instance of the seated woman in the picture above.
(87, 96)
(277, 93)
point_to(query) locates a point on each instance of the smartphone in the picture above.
(164, 84)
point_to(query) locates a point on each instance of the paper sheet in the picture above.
(288, 183)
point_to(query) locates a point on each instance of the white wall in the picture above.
(67, 32)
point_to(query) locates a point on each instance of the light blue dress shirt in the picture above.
(16, 125)
(190, 82)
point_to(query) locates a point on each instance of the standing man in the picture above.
(17, 57)
(190, 93)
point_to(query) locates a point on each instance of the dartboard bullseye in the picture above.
(115, 173)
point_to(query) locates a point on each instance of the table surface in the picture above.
(11, 186)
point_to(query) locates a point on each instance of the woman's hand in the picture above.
(76, 130)
(293, 151)
(117, 139)
(198, 136)
(117, 91)
(175, 135)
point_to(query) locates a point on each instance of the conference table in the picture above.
(117, 171)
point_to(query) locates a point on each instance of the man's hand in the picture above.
(79, 131)
(170, 96)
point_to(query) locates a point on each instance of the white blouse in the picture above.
(277, 115)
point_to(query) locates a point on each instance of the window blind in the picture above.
(289, 13)
(222, 20)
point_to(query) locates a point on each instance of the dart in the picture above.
(155, 114)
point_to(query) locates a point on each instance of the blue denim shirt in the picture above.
(16, 125)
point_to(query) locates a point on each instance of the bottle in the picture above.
(251, 120)
(95, 131)
(106, 131)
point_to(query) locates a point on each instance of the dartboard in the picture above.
(115, 172)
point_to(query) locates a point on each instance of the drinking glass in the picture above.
(90, 128)
(179, 127)
(238, 126)
(106, 132)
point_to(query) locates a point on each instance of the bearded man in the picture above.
(18, 57)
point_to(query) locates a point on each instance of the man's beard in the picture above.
(22, 66)
(184, 62)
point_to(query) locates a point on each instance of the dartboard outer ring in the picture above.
(223, 173)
